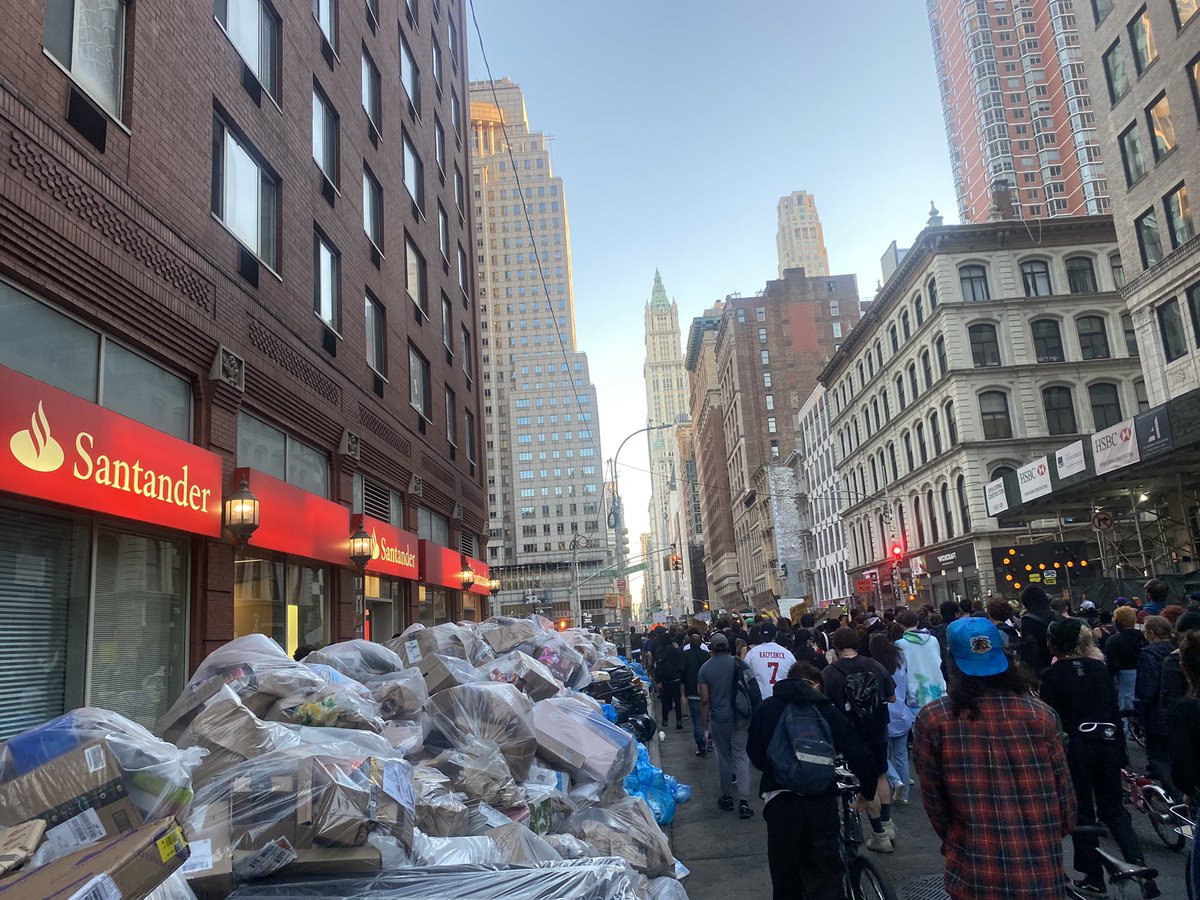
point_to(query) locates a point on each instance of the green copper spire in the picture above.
(658, 296)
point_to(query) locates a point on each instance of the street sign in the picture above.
(622, 584)
(863, 585)
(1103, 521)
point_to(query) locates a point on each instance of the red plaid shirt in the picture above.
(998, 793)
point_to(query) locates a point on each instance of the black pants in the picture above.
(1096, 773)
(1158, 761)
(802, 847)
(671, 699)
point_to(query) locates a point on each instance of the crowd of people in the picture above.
(1012, 718)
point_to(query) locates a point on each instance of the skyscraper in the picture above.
(799, 240)
(666, 401)
(1018, 109)
(542, 433)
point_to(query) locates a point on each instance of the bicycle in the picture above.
(1120, 874)
(862, 878)
(1149, 797)
(1186, 822)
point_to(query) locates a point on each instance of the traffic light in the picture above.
(562, 624)
(897, 551)
(676, 562)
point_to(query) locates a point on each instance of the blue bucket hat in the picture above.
(976, 646)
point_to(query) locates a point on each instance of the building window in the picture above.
(1060, 410)
(1162, 132)
(1179, 216)
(464, 273)
(1035, 275)
(900, 392)
(415, 275)
(326, 263)
(985, 348)
(372, 208)
(414, 173)
(1131, 346)
(770, 402)
(447, 324)
(376, 332)
(1184, 10)
(438, 69)
(1149, 239)
(244, 194)
(919, 309)
(931, 290)
(87, 37)
(1106, 405)
(993, 409)
(762, 335)
(252, 26)
(1193, 70)
(936, 431)
(908, 451)
(1139, 391)
(940, 347)
(904, 325)
(834, 309)
(325, 136)
(410, 75)
(766, 379)
(963, 505)
(1141, 39)
(1081, 275)
(1133, 154)
(451, 417)
(837, 330)
(1170, 327)
(1193, 302)
(760, 314)
(325, 12)
(467, 365)
(439, 144)
(418, 382)
(443, 233)
(1116, 71)
(927, 369)
(974, 283)
(469, 428)
(912, 380)
(263, 447)
(771, 429)
(1047, 341)
(371, 91)
(1093, 337)
(1118, 270)
(894, 339)
(951, 423)
(1101, 8)
(922, 451)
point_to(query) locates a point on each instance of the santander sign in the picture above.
(64, 449)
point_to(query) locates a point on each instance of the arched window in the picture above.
(936, 432)
(857, 437)
(887, 407)
(973, 280)
(1106, 405)
(912, 380)
(905, 325)
(964, 507)
(895, 340)
(1093, 337)
(1000, 471)
(1060, 410)
(919, 521)
(939, 347)
(879, 355)
(949, 516)
(926, 369)
(951, 423)
(985, 347)
(922, 451)
(862, 377)
(882, 539)
(1035, 275)
(993, 410)
(874, 476)
(919, 309)
(1081, 275)
(908, 451)
(933, 521)
(891, 448)
(870, 366)
(900, 391)
(1047, 341)
(883, 476)
(931, 290)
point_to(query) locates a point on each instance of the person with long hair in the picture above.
(994, 776)
(1147, 700)
(1078, 687)
(1184, 719)
(900, 714)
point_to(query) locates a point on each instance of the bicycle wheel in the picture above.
(867, 881)
(1158, 808)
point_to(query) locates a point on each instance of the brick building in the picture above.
(228, 257)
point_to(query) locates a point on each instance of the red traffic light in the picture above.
(897, 551)
(562, 624)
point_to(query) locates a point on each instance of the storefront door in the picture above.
(284, 600)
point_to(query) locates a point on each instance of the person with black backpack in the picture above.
(795, 738)
(728, 697)
(861, 689)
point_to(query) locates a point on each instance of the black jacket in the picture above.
(693, 659)
(668, 662)
(1147, 698)
(1121, 651)
(845, 740)
(1033, 648)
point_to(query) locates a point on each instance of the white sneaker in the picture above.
(900, 794)
(889, 828)
(880, 843)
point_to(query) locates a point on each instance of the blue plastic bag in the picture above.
(648, 782)
(610, 712)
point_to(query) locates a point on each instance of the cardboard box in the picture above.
(81, 795)
(507, 635)
(346, 806)
(364, 860)
(209, 869)
(129, 866)
(231, 734)
(266, 807)
(443, 672)
(176, 719)
(19, 843)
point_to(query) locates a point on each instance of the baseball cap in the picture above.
(976, 646)
(767, 630)
(1087, 604)
(718, 642)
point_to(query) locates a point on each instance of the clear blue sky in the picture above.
(679, 125)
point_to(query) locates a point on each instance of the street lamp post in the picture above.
(361, 551)
(616, 519)
(576, 606)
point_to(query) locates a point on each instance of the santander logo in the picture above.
(35, 448)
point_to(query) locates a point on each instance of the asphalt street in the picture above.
(727, 856)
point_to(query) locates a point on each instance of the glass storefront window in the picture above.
(434, 605)
(471, 607)
(139, 624)
(48, 346)
(285, 601)
(267, 449)
(137, 388)
(384, 607)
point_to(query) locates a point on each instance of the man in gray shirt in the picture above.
(729, 733)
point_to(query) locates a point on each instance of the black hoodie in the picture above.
(845, 740)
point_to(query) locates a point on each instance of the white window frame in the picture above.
(373, 209)
(325, 135)
(106, 88)
(235, 151)
(326, 280)
(414, 173)
(325, 12)
(257, 44)
(375, 327)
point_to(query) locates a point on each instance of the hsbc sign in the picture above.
(1034, 479)
(1115, 447)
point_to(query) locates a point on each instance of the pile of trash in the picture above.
(499, 759)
